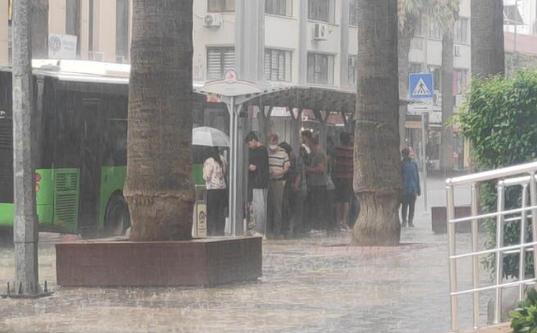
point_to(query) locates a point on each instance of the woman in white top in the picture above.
(214, 174)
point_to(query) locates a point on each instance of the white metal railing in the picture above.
(522, 177)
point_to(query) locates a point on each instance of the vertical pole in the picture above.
(533, 200)
(452, 251)
(25, 225)
(232, 164)
(522, 257)
(475, 259)
(499, 254)
(424, 157)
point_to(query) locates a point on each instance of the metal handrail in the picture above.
(489, 215)
(522, 176)
(490, 251)
(516, 170)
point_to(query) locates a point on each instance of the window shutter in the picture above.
(214, 64)
(229, 59)
(267, 65)
(288, 66)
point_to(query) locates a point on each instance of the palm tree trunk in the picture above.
(488, 55)
(39, 23)
(448, 103)
(159, 187)
(377, 167)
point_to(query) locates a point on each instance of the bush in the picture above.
(500, 121)
(524, 317)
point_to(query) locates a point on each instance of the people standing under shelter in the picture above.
(295, 192)
(214, 170)
(258, 180)
(411, 187)
(317, 180)
(343, 178)
(279, 166)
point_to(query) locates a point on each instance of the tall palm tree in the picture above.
(39, 24)
(488, 55)
(447, 16)
(377, 168)
(159, 187)
(410, 13)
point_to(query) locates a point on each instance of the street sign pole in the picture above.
(421, 88)
(424, 122)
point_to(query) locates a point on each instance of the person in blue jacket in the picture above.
(411, 187)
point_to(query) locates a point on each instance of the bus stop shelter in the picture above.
(243, 99)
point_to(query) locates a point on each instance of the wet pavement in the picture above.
(315, 284)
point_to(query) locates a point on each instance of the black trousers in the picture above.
(216, 203)
(408, 207)
(318, 208)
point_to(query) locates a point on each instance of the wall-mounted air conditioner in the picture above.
(212, 20)
(320, 31)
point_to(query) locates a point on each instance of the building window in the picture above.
(459, 82)
(353, 13)
(321, 10)
(435, 32)
(414, 67)
(122, 30)
(219, 60)
(219, 6)
(320, 68)
(437, 78)
(278, 65)
(352, 71)
(279, 7)
(461, 31)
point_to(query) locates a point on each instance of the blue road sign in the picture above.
(421, 86)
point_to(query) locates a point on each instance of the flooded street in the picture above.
(311, 285)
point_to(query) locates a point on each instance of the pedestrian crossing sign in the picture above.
(421, 86)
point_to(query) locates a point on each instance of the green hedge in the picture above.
(500, 120)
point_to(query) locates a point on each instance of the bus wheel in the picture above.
(117, 218)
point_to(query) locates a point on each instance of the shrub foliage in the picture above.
(500, 121)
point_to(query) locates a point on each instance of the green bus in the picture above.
(81, 157)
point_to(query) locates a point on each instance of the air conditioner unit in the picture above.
(320, 31)
(458, 51)
(212, 20)
(96, 56)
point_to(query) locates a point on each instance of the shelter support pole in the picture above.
(241, 189)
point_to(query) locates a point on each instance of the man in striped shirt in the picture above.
(279, 166)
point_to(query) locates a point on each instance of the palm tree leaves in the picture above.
(445, 12)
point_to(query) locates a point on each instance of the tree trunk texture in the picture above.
(377, 166)
(159, 187)
(448, 102)
(39, 23)
(488, 56)
(403, 49)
